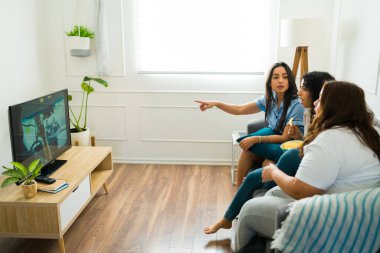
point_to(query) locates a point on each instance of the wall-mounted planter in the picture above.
(79, 46)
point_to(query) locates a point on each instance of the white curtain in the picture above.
(210, 36)
(101, 38)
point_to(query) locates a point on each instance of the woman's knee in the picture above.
(289, 161)
(254, 177)
(247, 156)
(293, 152)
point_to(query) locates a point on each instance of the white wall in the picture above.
(152, 118)
(358, 47)
(148, 118)
(20, 61)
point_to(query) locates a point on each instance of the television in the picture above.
(40, 129)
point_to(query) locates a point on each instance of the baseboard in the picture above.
(171, 161)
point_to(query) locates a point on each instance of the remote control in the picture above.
(45, 180)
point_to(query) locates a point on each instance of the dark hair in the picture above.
(290, 94)
(313, 82)
(343, 105)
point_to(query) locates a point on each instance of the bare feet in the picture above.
(223, 223)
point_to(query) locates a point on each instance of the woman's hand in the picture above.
(248, 142)
(294, 132)
(267, 172)
(204, 105)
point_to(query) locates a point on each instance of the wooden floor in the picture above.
(150, 209)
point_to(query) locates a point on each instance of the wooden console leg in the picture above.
(61, 245)
(93, 141)
(105, 186)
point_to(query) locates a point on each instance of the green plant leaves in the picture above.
(33, 165)
(8, 181)
(87, 90)
(82, 31)
(13, 173)
(98, 80)
(21, 168)
(34, 168)
(21, 173)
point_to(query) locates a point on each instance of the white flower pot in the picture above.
(76, 42)
(79, 46)
(81, 138)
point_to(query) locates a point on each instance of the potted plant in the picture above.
(23, 175)
(79, 41)
(80, 134)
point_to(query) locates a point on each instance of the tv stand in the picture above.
(51, 215)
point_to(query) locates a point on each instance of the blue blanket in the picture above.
(344, 222)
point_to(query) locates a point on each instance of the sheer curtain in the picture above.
(205, 36)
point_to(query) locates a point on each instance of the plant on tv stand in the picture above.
(87, 89)
(21, 173)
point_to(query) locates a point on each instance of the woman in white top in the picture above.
(341, 153)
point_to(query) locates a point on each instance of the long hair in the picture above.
(313, 82)
(343, 105)
(290, 94)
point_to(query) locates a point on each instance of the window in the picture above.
(204, 36)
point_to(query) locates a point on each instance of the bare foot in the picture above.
(223, 223)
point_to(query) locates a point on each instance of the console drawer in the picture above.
(71, 206)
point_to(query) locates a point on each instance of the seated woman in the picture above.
(280, 104)
(341, 153)
(311, 85)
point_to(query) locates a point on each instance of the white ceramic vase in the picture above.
(81, 138)
(79, 46)
(76, 42)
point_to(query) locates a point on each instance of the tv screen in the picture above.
(40, 129)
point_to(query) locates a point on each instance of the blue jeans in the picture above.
(288, 163)
(270, 151)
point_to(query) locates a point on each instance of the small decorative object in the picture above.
(79, 41)
(23, 175)
(80, 134)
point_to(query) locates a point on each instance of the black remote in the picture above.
(45, 180)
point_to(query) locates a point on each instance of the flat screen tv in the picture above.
(40, 129)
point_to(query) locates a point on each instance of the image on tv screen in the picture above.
(44, 131)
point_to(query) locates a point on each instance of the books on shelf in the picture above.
(55, 187)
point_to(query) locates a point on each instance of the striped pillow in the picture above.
(344, 222)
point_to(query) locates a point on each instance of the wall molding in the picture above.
(124, 109)
(185, 161)
(184, 140)
(174, 92)
(144, 139)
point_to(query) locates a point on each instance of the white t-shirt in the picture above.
(337, 161)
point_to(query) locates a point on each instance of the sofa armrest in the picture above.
(256, 125)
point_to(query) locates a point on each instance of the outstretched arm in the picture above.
(290, 185)
(244, 109)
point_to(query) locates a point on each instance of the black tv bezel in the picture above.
(54, 164)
